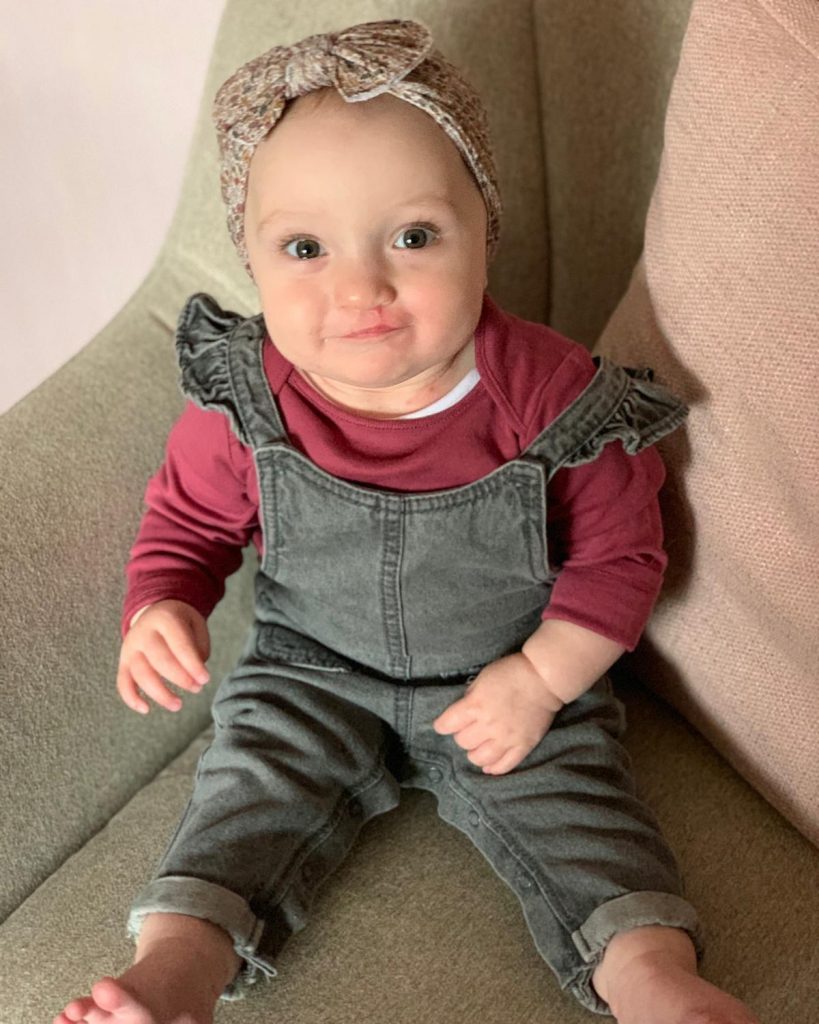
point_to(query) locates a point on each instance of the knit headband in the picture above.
(360, 62)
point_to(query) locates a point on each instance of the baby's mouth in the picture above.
(372, 332)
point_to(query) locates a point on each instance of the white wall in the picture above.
(99, 99)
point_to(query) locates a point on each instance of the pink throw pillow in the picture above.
(724, 305)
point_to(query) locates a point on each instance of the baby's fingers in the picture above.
(511, 759)
(164, 659)
(127, 689)
(456, 717)
(183, 648)
(151, 683)
(487, 753)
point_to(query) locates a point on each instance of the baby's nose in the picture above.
(363, 285)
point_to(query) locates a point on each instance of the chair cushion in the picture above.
(416, 926)
(724, 304)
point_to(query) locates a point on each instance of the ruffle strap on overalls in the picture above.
(619, 403)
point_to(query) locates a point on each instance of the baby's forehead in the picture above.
(392, 150)
(323, 124)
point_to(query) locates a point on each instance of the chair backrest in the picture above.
(605, 72)
(576, 93)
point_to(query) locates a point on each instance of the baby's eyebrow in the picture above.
(275, 215)
(426, 197)
(429, 197)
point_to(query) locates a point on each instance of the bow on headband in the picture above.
(360, 62)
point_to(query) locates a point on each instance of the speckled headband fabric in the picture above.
(393, 56)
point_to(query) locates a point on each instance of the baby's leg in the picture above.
(181, 966)
(291, 776)
(599, 887)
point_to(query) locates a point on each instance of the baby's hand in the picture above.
(506, 711)
(169, 639)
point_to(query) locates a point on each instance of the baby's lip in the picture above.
(371, 331)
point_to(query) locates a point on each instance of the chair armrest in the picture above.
(77, 453)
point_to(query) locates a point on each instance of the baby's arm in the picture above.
(606, 542)
(510, 705)
(198, 519)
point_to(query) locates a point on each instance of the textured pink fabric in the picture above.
(604, 526)
(725, 305)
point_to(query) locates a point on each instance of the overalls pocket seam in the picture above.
(277, 643)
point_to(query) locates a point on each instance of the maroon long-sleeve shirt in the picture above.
(603, 525)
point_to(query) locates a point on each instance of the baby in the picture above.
(457, 522)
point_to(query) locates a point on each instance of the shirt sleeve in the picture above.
(605, 541)
(198, 518)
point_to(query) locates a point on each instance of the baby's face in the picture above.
(360, 215)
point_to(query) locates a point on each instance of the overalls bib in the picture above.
(372, 610)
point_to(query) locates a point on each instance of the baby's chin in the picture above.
(364, 393)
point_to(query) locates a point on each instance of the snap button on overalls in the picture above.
(373, 608)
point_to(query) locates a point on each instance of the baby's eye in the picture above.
(417, 236)
(306, 248)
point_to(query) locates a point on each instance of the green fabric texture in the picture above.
(90, 792)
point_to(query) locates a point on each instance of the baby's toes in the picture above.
(74, 1011)
(726, 1010)
(117, 1003)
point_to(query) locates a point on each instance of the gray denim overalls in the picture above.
(373, 610)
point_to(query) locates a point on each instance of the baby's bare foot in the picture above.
(152, 991)
(181, 967)
(648, 975)
(669, 994)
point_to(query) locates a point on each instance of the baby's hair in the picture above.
(309, 102)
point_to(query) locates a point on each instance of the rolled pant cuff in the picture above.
(632, 910)
(179, 894)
